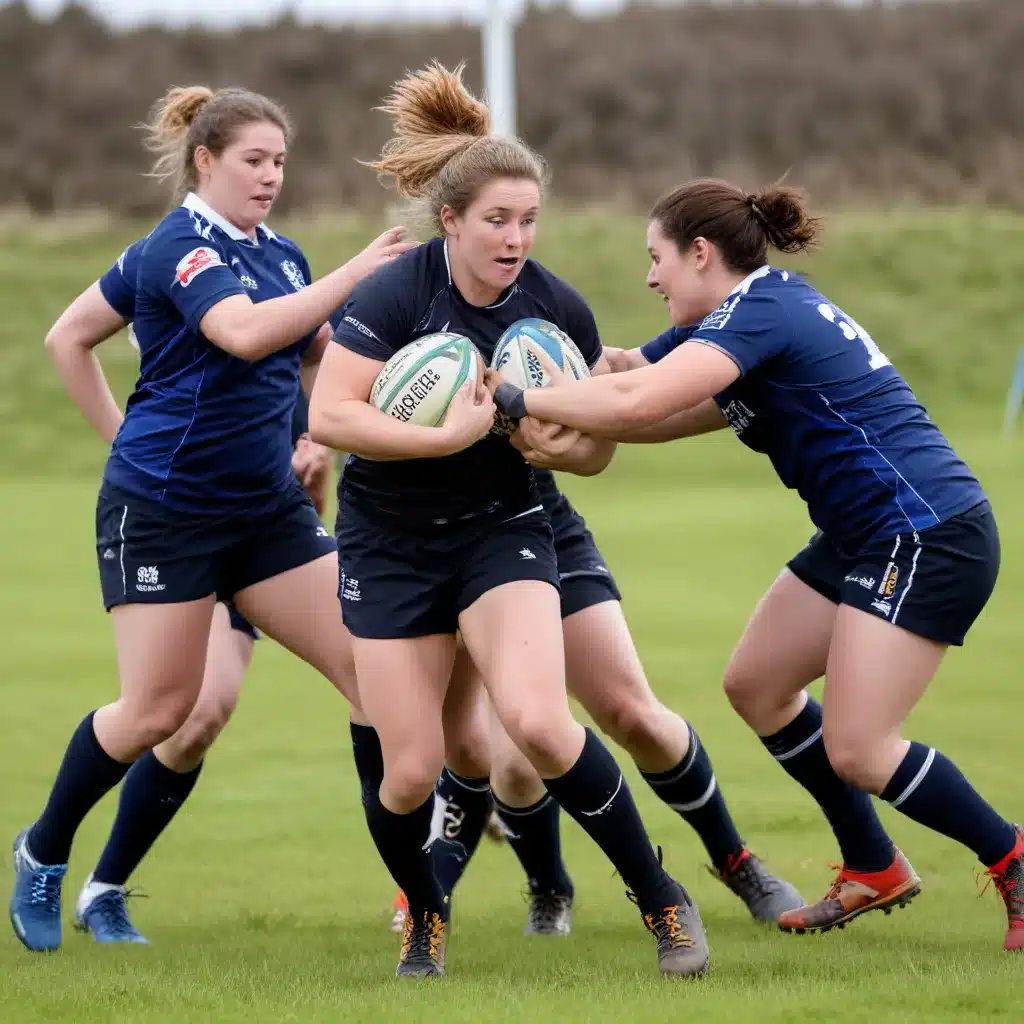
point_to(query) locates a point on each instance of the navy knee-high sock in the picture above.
(535, 838)
(799, 748)
(87, 773)
(151, 796)
(929, 789)
(401, 841)
(467, 804)
(691, 790)
(595, 793)
(368, 758)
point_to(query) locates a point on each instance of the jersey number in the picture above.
(854, 332)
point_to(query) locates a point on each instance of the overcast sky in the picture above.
(234, 12)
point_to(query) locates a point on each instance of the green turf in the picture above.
(267, 901)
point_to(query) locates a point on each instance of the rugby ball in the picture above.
(417, 383)
(518, 354)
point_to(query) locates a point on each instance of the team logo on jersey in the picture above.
(192, 265)
(888, 585)
(720, 317)
(291, 270)
(250, 282)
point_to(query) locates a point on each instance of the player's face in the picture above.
(678, 276)
(242, 183)
(492, 239)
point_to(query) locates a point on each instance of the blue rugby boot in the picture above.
(102, 912)
(35, 902)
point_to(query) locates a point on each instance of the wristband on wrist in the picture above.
(510, 401)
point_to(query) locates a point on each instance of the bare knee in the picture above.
(514, 779)
(865, 762)
(409, 777)
(468, 754)
(189, 744)
(628, 719)
(150, 724)
(548, 740)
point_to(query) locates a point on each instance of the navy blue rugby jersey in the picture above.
(414, 296)
(204, 431)
(822, 401)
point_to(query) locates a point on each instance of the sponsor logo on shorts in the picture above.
(526, 554)
(349, 589)
(885, 607)
(148, 579)
(321, 531)
(867, 582)
(191, 266)
(888, 585)
(108, 555)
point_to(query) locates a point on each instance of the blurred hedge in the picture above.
(921, 102)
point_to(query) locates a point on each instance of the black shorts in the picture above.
(933, 583)
(240, 623)
(149, 554)
(407, 579)
(585, 579)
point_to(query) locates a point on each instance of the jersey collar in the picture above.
(744, 286)
(193, 203)
(502, 299)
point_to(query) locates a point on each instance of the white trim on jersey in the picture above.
(744, 286)
(193, 203)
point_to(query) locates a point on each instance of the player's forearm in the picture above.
(252, 331)
(359, 428)
(85, 383)
(604, 406)
(702, 419)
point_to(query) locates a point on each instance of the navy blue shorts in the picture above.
(933, 583)
(149, 554)
(402, 578)
(241, 624)
(585, 579)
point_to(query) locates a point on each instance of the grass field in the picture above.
(267, 901)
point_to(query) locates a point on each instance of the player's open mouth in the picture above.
(508, 261)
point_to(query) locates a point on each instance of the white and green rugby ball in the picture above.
(517, 354)
(419, 381)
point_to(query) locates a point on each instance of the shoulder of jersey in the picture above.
(764, 286)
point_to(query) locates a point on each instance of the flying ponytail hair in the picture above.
(442, 151)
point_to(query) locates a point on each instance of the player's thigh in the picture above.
(906, 600)
(511, 622)
(403, 684)
(228, 657)
(466, 718)
(161, 657)
(299, 609)
(514, 780)
(158, 574)
(603, 669)
(784, 646)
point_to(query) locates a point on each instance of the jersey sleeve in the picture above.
(749, 328)
(379, 318)
(657, 348)
(117, 285)
(188, 270)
